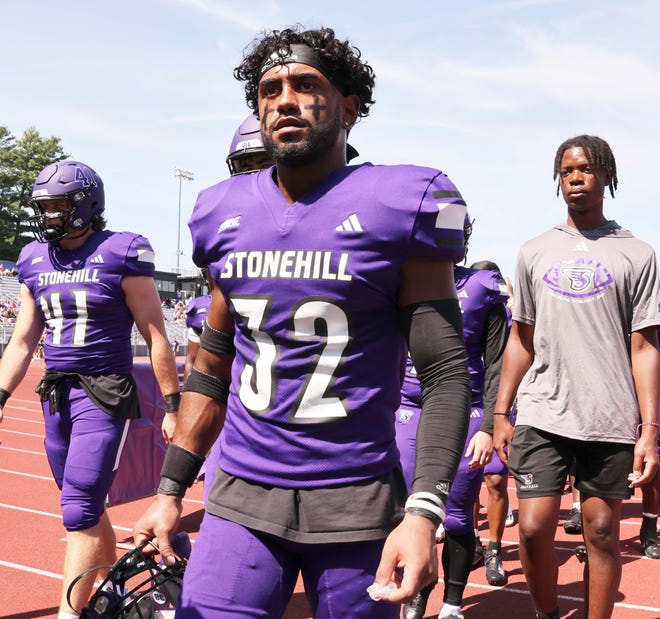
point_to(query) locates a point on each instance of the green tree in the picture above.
(20, 162)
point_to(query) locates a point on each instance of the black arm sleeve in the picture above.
(437, 349)
(495, 337)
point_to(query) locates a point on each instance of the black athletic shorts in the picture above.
(539, 462)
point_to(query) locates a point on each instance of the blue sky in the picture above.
(483, 90)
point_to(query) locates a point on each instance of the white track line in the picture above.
(24, 451)
(570, 598)
(33, 570)
(26, 474)
(22, 419)
(5, 431)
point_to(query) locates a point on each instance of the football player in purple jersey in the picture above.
(482, 296)
(86, 286)
(583, 361)
(322, 271)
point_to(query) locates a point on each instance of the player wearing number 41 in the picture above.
(86, 286)
(322, 272)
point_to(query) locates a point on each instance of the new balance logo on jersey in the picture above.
(97, 259)
(581, 246)
(350, 224)
(232, 222)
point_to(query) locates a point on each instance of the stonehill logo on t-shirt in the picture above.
(528, 482)
(578, 279)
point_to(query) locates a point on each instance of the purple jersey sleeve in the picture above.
(196, 311)
(79, 293)
(313, 289)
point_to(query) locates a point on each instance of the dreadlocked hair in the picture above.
(598, 154)
(344, 58)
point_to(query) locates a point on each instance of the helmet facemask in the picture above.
(50, 227)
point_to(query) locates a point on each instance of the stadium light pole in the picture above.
(181, 174)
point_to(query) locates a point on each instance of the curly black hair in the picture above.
(344, 59)
(598, 154)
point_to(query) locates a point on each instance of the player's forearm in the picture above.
(199, 422)
(645, 361)
(164, 365)
(438, 352)
(28, 330)
(15, 361)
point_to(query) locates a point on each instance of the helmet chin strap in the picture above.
(73, 238)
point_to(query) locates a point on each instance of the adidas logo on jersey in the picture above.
(581, 246)
(463, 294)
(37, 259)
(97, 259)
(350, 224)
(475, 413)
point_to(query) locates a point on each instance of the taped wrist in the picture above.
(215, 341)
(427, 505)
(437, 349)
(207, 384)
(172, 402)
(180, 469)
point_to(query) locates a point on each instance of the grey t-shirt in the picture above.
(585, 291)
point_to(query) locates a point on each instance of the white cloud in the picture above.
(239, 14)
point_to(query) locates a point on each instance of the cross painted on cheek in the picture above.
(317, 108)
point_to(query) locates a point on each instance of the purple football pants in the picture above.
(83, 445)
(236, 573)
(467, 483)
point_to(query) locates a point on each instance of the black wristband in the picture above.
(171, 488)
(4, 396)
(181, 466)
(172, 402)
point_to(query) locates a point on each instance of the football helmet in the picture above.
(246, 141)
(74, 182)
(137, 586)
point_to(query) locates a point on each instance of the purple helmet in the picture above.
(247, 141)
(66, 180)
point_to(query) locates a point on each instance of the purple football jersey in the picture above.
(313, 289)
(196, 311)
(478, 292)
(79, 293)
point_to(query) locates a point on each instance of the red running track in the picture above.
(32, 541)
